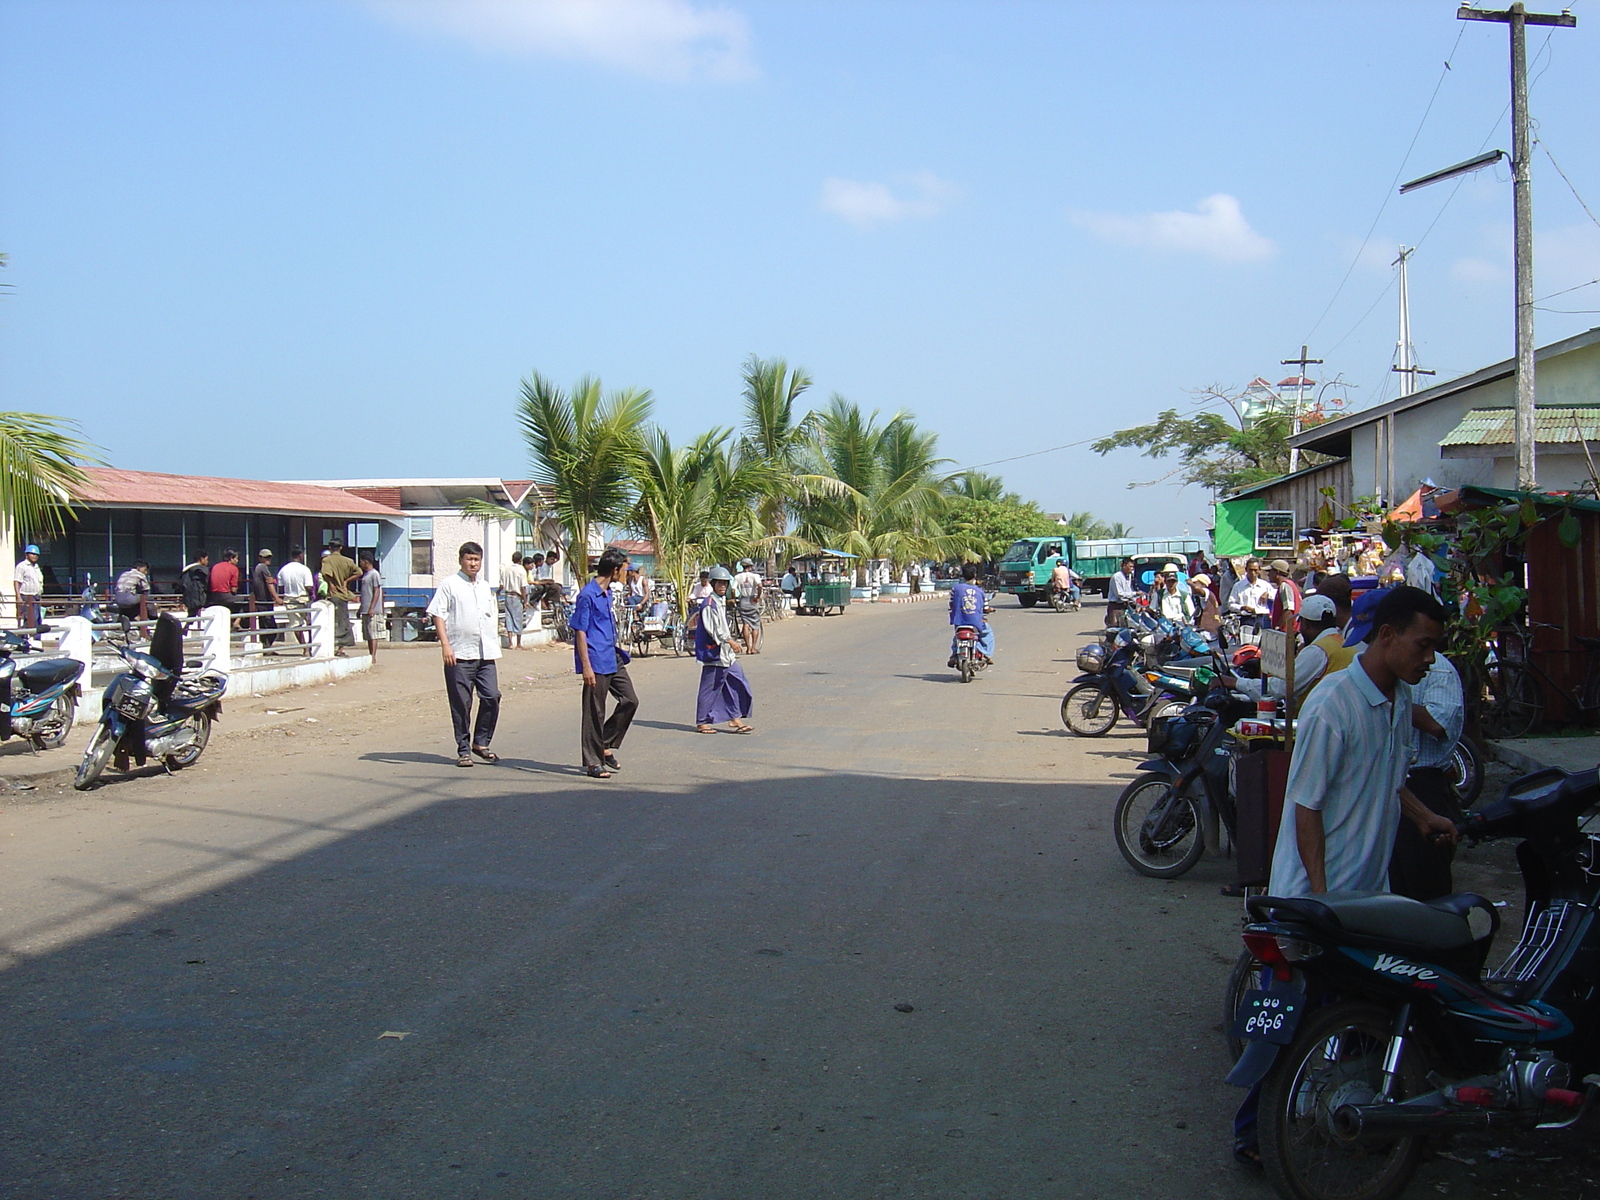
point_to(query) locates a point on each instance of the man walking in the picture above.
(513, 592)
(370, 606)
(264, 598)
(295, 584)
(747, 598)
(465, 618)
(195, 584)
(604, 668)
(1121, 594)
(337, 572)
(29, 586)
(724, 691)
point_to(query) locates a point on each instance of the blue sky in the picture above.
(327, 238)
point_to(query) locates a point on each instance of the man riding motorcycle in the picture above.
(966, 608)
(1064, 579)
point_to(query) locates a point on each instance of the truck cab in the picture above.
(1024, 569)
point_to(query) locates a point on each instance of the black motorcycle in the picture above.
(1375, 1027)
(153, 710)
(38, 700)
(1161, 816)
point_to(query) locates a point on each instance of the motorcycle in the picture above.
(969, 659)
(1111, 687)
(1375, 1027)
(153, 710)
(38, 700)
(1185, 789)
(1062, 600)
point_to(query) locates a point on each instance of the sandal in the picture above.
(597, 773)
(610, 760)
(741, 728)
(464, 761)
(705, 728)
(488, 755)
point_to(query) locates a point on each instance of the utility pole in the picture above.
(1300, 364)
(1407, 368)
(1522, 216)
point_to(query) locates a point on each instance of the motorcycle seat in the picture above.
(47, 672)
(1448, 923)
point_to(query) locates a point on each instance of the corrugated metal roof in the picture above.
(1552, 426)
(150, 489)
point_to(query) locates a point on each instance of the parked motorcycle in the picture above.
(1376, 1027)
(38, 700)
(1116, 684)
(153, 710)
(1161, 816)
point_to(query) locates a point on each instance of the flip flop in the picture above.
(488, 755)
(705, 728)
(741, 729)
(597, 773)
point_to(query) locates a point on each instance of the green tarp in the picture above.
(1235, 533)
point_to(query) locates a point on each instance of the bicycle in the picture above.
(1514, 686)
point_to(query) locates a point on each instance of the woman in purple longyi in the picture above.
(724, 690)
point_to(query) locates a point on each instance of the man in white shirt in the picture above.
(790, 583)
(29, 586)
(295, 583)
(1121, 593)
(466, 619)
(1251, 596)
(1346, 791)
(1438, 711)
(513, 591)
(1172, 599)
(747, 597)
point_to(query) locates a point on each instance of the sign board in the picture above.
(1275, 530)
(1275, 653)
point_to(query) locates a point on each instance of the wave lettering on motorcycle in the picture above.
(1469, 1002)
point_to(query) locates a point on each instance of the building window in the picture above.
(421, 557)
(422, 529)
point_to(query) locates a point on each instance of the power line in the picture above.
(1568, 182)
(1564, 291)
(1031, 454)
(1388, 192)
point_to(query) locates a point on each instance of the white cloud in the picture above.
(672, 40)
(865, 204)
(1216, 229)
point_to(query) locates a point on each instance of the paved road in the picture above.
(687, 983)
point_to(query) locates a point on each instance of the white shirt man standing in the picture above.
(29, 586)
(1251, 596)
(1121, 592)
(747, 597)
(1346, 791)
(466, 619)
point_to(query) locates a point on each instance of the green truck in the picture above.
(1099, 559)
(1024, 569)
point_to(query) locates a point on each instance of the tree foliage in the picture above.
(41, 471)
(987, 527)
(1222, 453)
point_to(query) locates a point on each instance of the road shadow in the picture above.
(669, 726)
(423, 758)
(947, 676)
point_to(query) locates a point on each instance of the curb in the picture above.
(1515, 759)
(920, 597)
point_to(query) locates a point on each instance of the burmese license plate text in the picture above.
(1268, 1017)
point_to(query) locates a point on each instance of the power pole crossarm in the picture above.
(1300, 364)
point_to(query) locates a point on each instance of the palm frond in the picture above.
(41, 471)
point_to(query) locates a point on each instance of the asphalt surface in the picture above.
(884, 947)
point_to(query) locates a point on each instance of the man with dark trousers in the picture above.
(467, 620)
(604, 667)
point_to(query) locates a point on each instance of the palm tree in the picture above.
(775, 433)
(976, 485)
(893, 495)
(41, 471)
(584, 447)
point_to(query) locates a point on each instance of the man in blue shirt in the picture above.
(604, 668)
(966, 608)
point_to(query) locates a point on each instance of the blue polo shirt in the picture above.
(593, 616)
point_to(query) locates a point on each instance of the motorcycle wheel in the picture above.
(1336, 1058)
(1089, 710)
(1176, 847)
(1166, 708)
(1057, 602)
(964, 665)
(202, 734)
(95, 759)
(1464, 770)
(58, 722)
(1246, 975)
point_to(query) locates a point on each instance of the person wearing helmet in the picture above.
(747, 588)
(966, 608)
(28, 583)
(724, 691)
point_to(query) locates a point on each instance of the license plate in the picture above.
(1269, 1016)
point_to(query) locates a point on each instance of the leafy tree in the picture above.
(1222, 453)
(775, 432)
(976, 485)
(585, 448)
(988, 527)
(41, 471)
